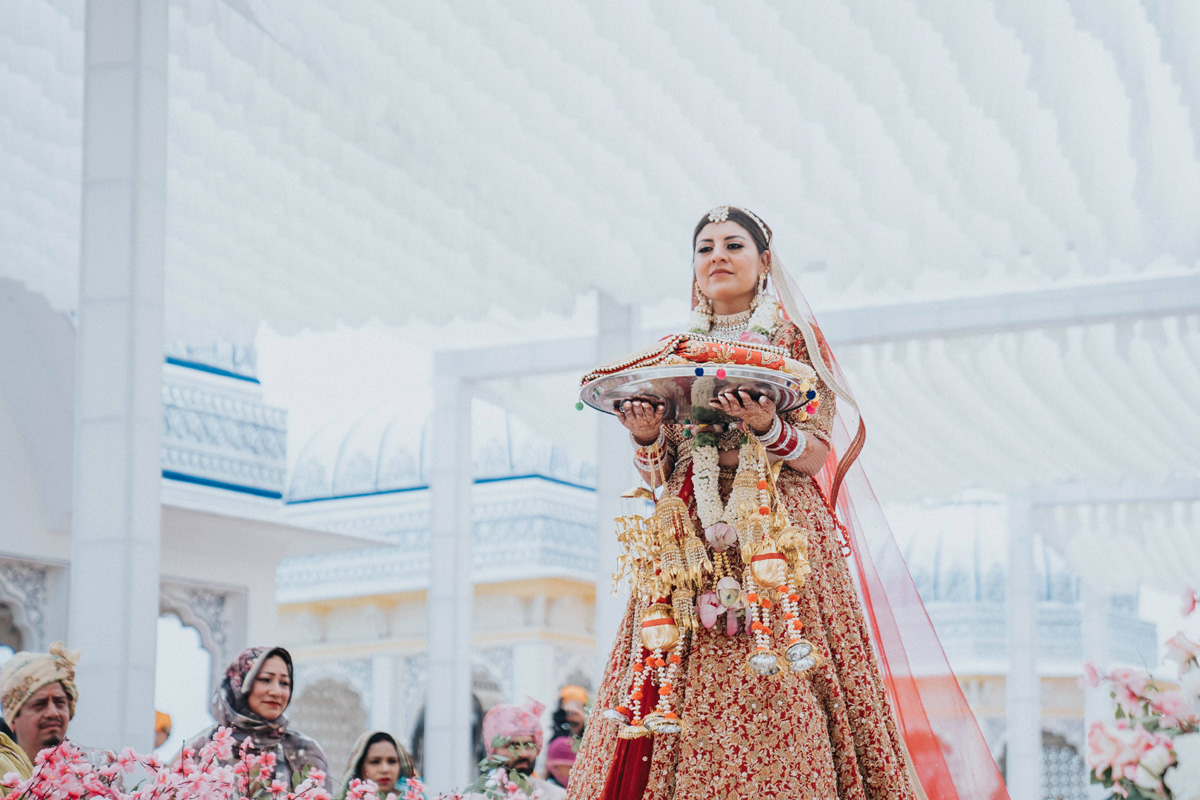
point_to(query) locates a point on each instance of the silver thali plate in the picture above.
(678, 384)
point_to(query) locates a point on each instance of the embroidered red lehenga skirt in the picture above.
(826, 735)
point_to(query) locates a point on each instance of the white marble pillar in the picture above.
(617, 326)
(118, 385)
(1022, 708)
(533, 674)
(381, 716)
(1097, 703)
(448, 703)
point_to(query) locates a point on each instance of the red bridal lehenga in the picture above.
(880, 718)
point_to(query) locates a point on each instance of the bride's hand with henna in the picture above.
(643, 418)
(758, 414)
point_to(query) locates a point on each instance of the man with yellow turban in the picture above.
(37, 697)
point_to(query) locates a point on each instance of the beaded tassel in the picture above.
(625, 712)
(799, 652)
(762, 660)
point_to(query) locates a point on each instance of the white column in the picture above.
(450, 597)
(381, 714)
(616, 327)
(533, 673)
(1023, 714)
(115, 528)
(1097, 703)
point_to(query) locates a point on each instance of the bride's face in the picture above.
(727, 265)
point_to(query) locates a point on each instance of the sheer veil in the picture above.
(946, 749)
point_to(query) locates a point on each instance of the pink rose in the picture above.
(721, 536)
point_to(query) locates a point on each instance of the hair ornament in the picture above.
(762, 225)
(721, 214)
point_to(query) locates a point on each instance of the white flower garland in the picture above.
(706, 468)
(706, 472)
(766, 317)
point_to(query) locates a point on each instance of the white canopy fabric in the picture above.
(336, 162)
(341, 161)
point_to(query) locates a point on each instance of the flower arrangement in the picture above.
(66, 772)
(367, 790)
(1151, 750)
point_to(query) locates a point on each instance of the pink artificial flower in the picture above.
(708, 608)
(1154, 756)
(721, 536)
(1189, 601)
(1130, 688)
(317, 776)
(1171, 707)
(128, 760)
(358, 789)
(1182, 649)
(413, 789)
(1111, 747)
(753, 337)
(1091, 676)
(277, 787)
(222, 743)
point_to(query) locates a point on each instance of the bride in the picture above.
(826, 732)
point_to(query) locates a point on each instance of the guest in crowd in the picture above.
(379, 758)
(37, 695)
(560, 757)
(570, 718)
(513, 737)
(162, 729)
(251, 699)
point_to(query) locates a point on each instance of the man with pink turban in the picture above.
(512, 735)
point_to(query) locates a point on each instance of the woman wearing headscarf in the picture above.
(251, 701)
(379, 758)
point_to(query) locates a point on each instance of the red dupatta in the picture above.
(946, 749)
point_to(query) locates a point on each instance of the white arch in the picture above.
(179, 599)
(28, 603)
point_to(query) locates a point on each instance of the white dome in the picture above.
(386, 451)
(959, 554)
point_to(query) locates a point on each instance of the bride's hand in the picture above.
(643, 418)
(758, 414)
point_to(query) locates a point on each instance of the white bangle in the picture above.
(772, 435)
(655, 445)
